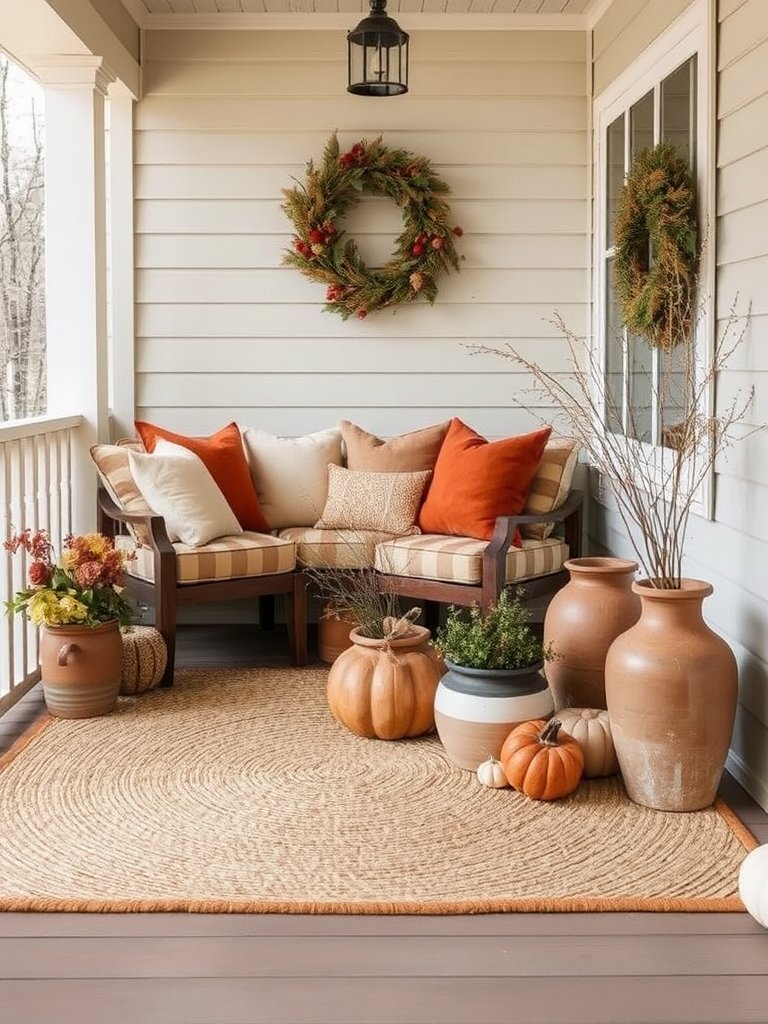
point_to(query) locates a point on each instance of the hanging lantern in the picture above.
(378, 55)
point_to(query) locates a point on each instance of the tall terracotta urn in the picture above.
(671, 685)
(582, 621)
(385, 689)
(81, 668)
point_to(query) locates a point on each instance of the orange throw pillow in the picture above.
(223, 456)
(476, 480)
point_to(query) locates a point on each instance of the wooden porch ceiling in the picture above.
(543, 7)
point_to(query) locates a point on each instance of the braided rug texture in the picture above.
(237, 791)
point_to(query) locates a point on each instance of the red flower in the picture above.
(316, 236)
(39, 574)
(362, 314)
(416, 249)
(334, 292)
(458, 231)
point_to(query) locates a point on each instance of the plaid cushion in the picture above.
(115, 473)
(334, 549)
(460, 559)
(244, 555)
(550, 486)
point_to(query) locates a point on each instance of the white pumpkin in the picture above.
(491, 774)
(592, 729)
(753, 884)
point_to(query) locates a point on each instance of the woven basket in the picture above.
(144, 660)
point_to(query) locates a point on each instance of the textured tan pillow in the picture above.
(115, 473)
(551, 484)
(388, 502)
(407, 453)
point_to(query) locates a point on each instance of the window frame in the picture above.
(691, 34)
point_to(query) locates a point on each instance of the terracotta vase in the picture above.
(582, 621)
(333, 631)
(385, 689)
(672, 687)
(476, 709)
(81, 668)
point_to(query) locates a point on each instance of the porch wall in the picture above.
(224, 332)
(732, 550)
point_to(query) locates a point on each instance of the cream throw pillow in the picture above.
(388, 502)
(177, 486)
(290, 474)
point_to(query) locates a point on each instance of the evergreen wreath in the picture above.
(657, 247)
(424, 249)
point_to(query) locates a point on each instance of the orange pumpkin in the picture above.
(386, 689)
(540, 761)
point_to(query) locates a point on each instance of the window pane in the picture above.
(678, 108)
(615, 173)
(675, 371)
(614, 356)
(640, 389)
(641, 125)
(22, 296)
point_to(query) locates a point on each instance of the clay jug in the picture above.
(672, 687)
(81, 668)
(582, 621)
(385, 689)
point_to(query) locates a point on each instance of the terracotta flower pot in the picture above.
(81, 668)
(672, 686)
(582, 621)
(385, 689)
(333, 631)
(476, 709)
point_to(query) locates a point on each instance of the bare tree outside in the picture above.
(22, 251)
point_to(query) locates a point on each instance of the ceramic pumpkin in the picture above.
(592, 728)
(491, 774)
(542, 762)
(385, 689)
(753, 884)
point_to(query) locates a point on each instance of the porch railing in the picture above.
(36, 458)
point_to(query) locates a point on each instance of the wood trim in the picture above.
(412, 21)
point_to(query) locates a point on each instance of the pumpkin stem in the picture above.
(549, 733)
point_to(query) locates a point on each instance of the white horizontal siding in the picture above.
(732, 550)
(225, 331)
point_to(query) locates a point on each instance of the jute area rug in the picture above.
(237, 791)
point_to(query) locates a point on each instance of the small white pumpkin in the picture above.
(491, 774)
(592, 729)
(753, 884)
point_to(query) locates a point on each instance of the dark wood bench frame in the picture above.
(166, 594)
(437, 592)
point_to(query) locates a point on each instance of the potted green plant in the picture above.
(495, 679)
(77, 601)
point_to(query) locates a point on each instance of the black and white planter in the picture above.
(476, 709)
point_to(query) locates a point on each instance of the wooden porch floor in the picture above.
(253, 969)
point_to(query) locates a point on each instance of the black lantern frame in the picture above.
(377, 62)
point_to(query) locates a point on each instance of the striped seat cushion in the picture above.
(551, 484)
(247, 554)
(334, 549)
(460, 559)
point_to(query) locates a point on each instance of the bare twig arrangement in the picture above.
(655, 487)
(355, 593)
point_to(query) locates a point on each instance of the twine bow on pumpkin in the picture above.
(398, 629)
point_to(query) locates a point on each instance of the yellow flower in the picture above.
(97, 544)
(43, 608)
(71, 609)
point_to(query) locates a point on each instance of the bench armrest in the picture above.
(110, 513)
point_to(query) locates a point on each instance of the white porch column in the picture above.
(76, 276)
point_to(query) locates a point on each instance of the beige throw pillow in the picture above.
(551, 484)
(176, 484)
(388, 502)
(290, 474)
(407, 453)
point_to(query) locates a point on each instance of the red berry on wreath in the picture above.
(329, 228)
(437, 243)
(458, 231)
(421, 239)
(416, 249)
(358, 149)
(362, 314)
(316, 236)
